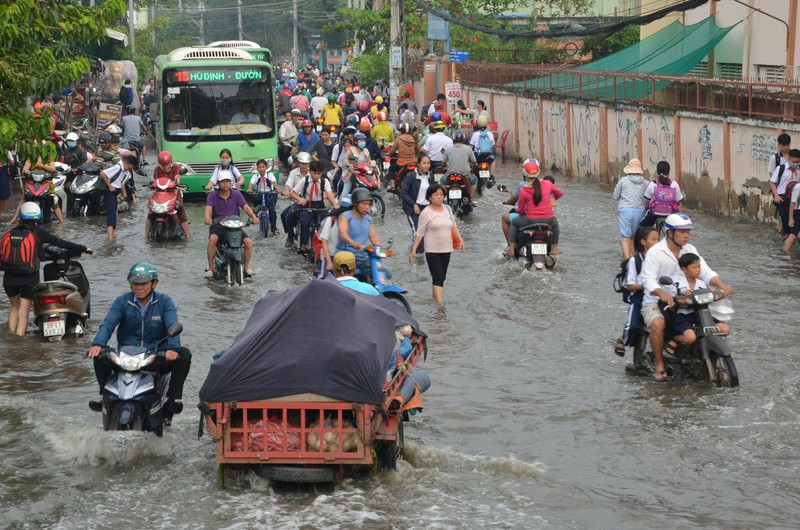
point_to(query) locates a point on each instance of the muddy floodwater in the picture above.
(531, 421)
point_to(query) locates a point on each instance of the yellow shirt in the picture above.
(332, 115)
(383, 134)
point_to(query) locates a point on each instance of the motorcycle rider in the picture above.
(74, 155)
(166, 168)
(534, 205)
(286, 134)
(297, 174)
(332, 113)
(383, 132)
(142, 318)
(356, 230)
(407, 150)
(18, 283)
(307, 138)
(318, 102)
(436, 144)
(222, 203)
(47, 168)
(459, 159)
(344, 267)
(662, 260)
(133, 127)
(482, 154)
(311, 192)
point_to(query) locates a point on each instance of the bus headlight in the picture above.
(185, 169)
(270, 165)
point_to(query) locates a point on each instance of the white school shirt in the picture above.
(661, 262)
(788, 176)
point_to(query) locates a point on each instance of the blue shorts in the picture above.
(512, 216)
(795, 230)
(683, 322)
(629, 219)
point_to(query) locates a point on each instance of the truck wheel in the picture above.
(304, 474)
(389, 452)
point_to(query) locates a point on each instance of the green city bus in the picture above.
(253, 48)
(201, 89)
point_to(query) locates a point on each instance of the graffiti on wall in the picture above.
(555, 132)
(529, 127)
(627, 136)
(585, 136)
(763, 147)
(704, 136)
(660, 139)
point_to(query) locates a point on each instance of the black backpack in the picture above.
(619, 279)
(18, 251)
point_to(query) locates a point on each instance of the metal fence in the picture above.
(754, 99)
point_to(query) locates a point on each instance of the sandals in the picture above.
(670, 347)
(661, 376)
(619, 347)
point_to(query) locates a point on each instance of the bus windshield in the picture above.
(218, 102)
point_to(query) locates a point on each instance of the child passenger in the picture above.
(646, 237)
(686, 318)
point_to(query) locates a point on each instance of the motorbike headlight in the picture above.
(704, 298)
(159, 208)
(131, 363)
(83, 188)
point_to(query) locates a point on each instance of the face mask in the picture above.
(794, 166)
(362, 145)
(71, 144)
(225, 162)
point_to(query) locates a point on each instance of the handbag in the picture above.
(453, 234)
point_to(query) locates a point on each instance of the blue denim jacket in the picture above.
(135, 329)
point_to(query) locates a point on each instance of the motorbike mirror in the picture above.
(184, 170)
(665, 280)
(501, 187)
(175, 329)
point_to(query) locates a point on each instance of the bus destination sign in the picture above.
(219, 75)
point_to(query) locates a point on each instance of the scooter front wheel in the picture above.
(399, 298)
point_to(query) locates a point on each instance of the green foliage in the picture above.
(371, 67)
(39, 45)
(601, 47)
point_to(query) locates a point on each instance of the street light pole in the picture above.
(240, 20)
(396, 56)
(295, 45)
(130, 21)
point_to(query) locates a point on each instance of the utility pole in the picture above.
(397, 37)
(202, 24)
(295, 48)
(130, 21)
(240, 20)
(152, 19)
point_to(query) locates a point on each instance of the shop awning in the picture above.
(117, 35)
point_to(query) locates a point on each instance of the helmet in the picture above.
(348, 90)
(307, 123)
(361, 195)
(73, 137)
(352, 120)
(345, 201)
(164, 158)
(114, 139)
(142, 273)
(30, 211)
(225, 174)
(349, 130)
(320, 91)
(436, 116)
(364, 105)
(382, 116)
(131, 109)
(114, 129)
(360, 136)
(296, 112)
(439, 126)
(379, 99)
(365, 125)
(331, 97)
(530, 168)
(404, 128)
(303, 157)
(678, 221)
(458, 136)
(298, 90)
(104, 137)
(483, 121)
(438, 105)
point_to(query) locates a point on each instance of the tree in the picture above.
(40, 47)
(601, 47)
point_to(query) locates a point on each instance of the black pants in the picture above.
(437, 264)
(103, 368)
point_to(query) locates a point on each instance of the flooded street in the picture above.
(531, 421)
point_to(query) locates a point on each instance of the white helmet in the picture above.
(114, 129)
(224, 174)
(678, 221)
(73, 137)
(30, 211)
(304, 158)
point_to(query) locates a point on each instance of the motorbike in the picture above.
(229, 258)
(535, 245)
(320, 124)
(485, 178)
(62, 302)
(382, 277)
(708, 358)
(36, 188)
(334, 133)
(365, 177)
(88, 192)
(456, 189)
(163, 206)
(134, 397)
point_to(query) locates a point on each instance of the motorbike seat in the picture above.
(54, 286)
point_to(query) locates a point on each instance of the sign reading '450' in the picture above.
(453, 92)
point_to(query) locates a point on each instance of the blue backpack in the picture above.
(484, 143)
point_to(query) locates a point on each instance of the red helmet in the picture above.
(530, 168)
(307, 123)
(164, 159)
(438, 106)
(382, 116)
(364, 105)
(365, 125)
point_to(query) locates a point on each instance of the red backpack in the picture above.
(18, 251)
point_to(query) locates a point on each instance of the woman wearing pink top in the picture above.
(534, 205)
(437, 226)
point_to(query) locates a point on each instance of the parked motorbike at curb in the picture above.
(382, 277)
(708, 358)
(135, 398)
(164, 205)
(365, 177)
(62, 302)
(229, 257)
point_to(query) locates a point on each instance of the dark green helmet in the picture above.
(360, 195)
(142, 273)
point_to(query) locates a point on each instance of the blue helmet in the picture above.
(352, 120)
(436, 116)
(360, 136)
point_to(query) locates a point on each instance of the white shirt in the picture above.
(661, 262)
(236, 174)
(330, 233)
(423, 189)
(317, 104)
(434, 145)
(773, 165)
(287, 130)
(796, 196)
(293, 178)
(476, 138)
(683, 285)
(788, 176)
(632, 277)
(301, 188)
(116, 175)
(651, 188)
(254, 181)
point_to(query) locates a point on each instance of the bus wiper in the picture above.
(203, 136)
(243, 135)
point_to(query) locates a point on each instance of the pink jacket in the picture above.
(543, 210)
